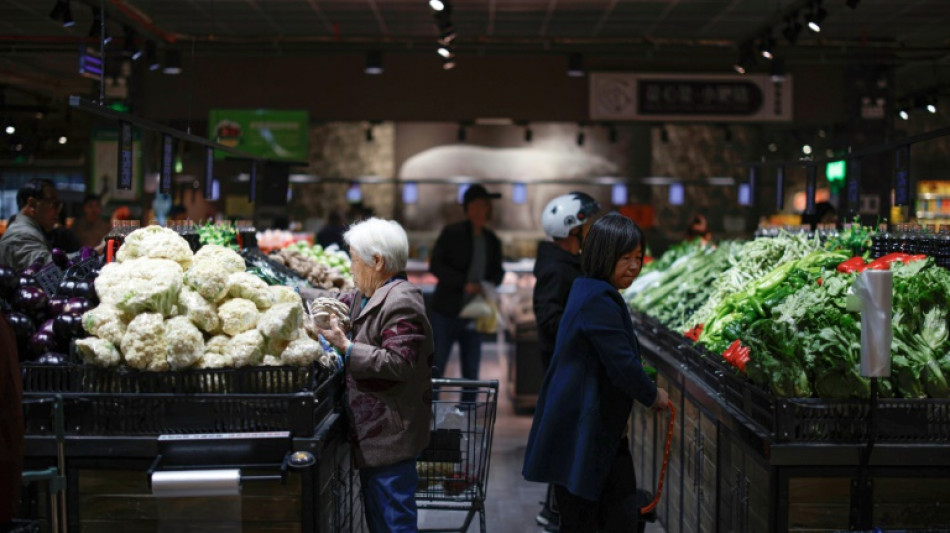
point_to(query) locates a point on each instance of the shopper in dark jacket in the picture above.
(557, 265)
(11, 425)
(465, 255)
(577, 439)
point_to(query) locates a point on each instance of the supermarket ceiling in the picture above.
(37, 50)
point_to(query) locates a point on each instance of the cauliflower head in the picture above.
(285, 295)
(274, 346)
(226, 258)
(200, 311)
(237, 316)
(105, 321)
(217, 344)
(250, 287)
(213, 360)
(143, 344)
(246, 349)
(184, 344)
(141, 285)
(208, 279)
(301, 352)
(156, 242)
(271, 360)
(96, 351)
(281, 321)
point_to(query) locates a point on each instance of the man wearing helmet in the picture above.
(556, 267)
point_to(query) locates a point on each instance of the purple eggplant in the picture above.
(23, 326)
(26, 280)
(32, 301)
(65, 288)
(9, 281)
(42, 342)
(56, 305)
(77, 305)
(84, 289)
(60, 258)
(68, 326)
(32, 269)
(52, 358)
(47, 326)
(86, 252)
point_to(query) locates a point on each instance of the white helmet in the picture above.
(567, 211)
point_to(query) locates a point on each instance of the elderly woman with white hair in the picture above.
(387, 360)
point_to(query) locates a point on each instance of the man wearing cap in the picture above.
(465, 255)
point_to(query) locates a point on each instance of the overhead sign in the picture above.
(282, 135)
(689, 97)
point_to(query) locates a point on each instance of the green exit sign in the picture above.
(835, 171)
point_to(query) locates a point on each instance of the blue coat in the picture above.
(588, 392)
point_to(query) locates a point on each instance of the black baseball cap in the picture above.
(476, 191)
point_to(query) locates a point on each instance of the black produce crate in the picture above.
(81, 378)
(896, 420)
(93, 413)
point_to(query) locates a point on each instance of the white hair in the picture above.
(385, 238)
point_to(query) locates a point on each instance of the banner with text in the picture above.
(262, 132)
(689, 97)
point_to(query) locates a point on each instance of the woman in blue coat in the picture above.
(577, 440)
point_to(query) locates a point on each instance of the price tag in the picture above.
(168, 145)
(780, 188)
(209, 173)
(125, 156)
(810, 185)
(902, 192)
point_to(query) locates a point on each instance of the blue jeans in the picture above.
(448, 329)
(389, 497)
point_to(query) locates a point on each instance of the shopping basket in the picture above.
(453, 469)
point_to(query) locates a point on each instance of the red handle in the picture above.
(110, 250)
(666, 460)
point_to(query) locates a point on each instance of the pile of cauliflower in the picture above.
(164, 308)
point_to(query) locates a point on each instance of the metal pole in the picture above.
(102, 52)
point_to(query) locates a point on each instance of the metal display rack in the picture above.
(744, 460)
(278, 427)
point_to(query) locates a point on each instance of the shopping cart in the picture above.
(453, 470)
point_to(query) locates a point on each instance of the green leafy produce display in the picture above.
(777, 313)
(221, 234)
(333, 258)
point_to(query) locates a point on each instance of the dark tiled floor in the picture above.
(512, 502)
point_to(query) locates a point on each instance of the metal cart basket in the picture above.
(453, 470)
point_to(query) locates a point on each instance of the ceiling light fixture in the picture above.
(172, 62)
(816, 16)
(447, 35)
(903, 114)
(793, 28)
(931, 106)
(575, 65)
(436, 5)
(10, 130)
(62, 139)
(767, 46)
(448, 64)
(445, 52)
(374, 62)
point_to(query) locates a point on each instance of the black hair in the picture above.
(32, 189)
(90, 198)
(612, 236)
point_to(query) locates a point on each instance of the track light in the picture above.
(575, 65)
(10, 130)
(816, 17)
(746, 58)
(447, 35)
(172, 62)
(931, 106)
(374, 62)
(445, 52)
(63, 13)
(448, 64)
(793, 29)
(98, 21)
(436, 5)
(767, 46)
(63, 139)
(151, 56)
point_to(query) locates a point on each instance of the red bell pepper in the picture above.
(884, 262)
(737, 355)
(855, 264)
(693, 334)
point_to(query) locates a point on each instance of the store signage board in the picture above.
(271, 134)
(106, 163)
(811, 184)
(780, 188)
(853, 187)
(689, 97)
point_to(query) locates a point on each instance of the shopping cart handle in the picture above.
(458, 382)
(666, 460)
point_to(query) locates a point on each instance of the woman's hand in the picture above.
(334, 334)
(662, 400)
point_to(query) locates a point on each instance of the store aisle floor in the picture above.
(512, 502)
